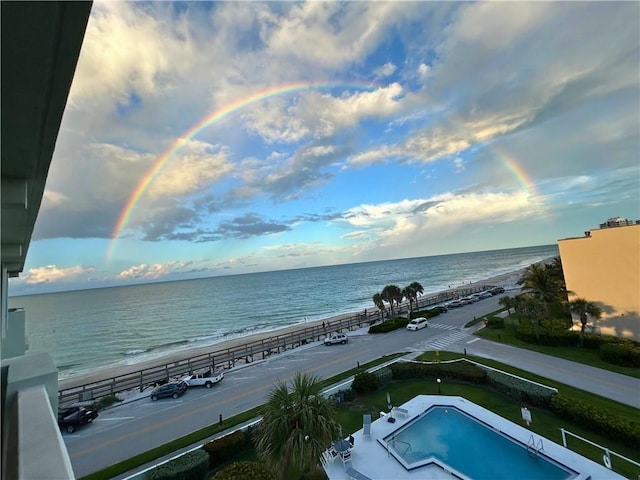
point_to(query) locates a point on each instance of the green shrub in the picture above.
(224, 449)
(451, 370)
(385, 375)
(190, 466)
(597, 420)
(389, 325)
(365, 382)
(429, 313)
(520, 389)
(245, 471)
(620, 354)
(106, 401)
(495, 322)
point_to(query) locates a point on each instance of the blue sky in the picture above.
(425, 129)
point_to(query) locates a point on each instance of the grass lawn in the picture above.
(581, 355)
(544, 423)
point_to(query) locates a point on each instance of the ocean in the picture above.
(88, 329)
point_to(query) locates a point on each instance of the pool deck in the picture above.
(370, 457)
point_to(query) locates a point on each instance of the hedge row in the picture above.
(495, 322)
(389, 325)
(618, 354)
(190, 466)
(224, 449)
(454, 370)
(429, 313)
(244, 471)
(597, 420)
(520, 388)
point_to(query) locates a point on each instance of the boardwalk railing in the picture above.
(228, 358)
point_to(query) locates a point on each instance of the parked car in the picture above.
(336, 338)
(485, 294)
(417, 323)
(71, 418)
(441, 308)
(468, 300)
(173, 390)
(206, 379)
(496, 290)
(455, 303)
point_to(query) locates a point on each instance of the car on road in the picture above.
(441, 308)
(496, 290)
(417, 324)
(71, 418)
(206, 379)
(455, 303)
(482, 295)
(469, 300)
(336, 338)
(173, 390)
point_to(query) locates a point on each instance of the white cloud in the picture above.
(195, 167)
(152, 272)
(53, 273)
(385, 70)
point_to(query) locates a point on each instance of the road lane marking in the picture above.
(178, 418)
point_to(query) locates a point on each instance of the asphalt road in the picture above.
(127, 430)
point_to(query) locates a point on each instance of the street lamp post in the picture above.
(439, 386)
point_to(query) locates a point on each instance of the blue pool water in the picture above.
(470, 447)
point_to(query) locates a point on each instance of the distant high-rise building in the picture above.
(603, 267)
(617, 222)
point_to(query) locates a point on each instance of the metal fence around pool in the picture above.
(225, 359)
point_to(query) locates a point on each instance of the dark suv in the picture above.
(173, 390)
(496, 290)
(71, 418)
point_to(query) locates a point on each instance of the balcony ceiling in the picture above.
(40, 47)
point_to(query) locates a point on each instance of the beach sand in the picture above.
(507, 280)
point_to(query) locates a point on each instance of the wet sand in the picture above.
(507, 280)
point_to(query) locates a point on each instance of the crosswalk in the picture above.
(441, 342)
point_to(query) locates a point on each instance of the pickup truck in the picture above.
(208, 379)
(71, 418)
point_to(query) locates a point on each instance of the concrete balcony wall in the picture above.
(32, 445)
(13, 343)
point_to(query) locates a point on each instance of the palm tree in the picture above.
(379, 303)
(296, 427)
(530, 307)
(584, 308)
(540, 282)
(407, 292)
(390, 294)
(507, 302)
(416, 289)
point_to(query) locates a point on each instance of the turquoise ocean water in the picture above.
(88, 329)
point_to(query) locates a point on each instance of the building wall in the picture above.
(604, 267)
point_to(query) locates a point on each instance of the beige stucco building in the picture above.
(603, 267)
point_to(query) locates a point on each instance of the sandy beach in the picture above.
(507, 280)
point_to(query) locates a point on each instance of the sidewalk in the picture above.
(621, 388)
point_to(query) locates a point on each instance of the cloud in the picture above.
(153, 272)
(319, 115)
(55, 274)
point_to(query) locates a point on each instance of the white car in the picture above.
(207, 379)
(455, 303)
(417, 323)
(469, 300)
(336, 338)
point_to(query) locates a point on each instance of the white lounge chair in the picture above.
(401, 411)
(346, 457)
(330, 455)
(366, 425)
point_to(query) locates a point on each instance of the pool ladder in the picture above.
(532, 448)
(408, 449)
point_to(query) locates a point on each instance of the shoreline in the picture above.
(507, 280)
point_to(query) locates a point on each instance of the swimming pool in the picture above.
(454, 439)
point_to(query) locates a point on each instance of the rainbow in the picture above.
(518, 172)
(206, 122)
